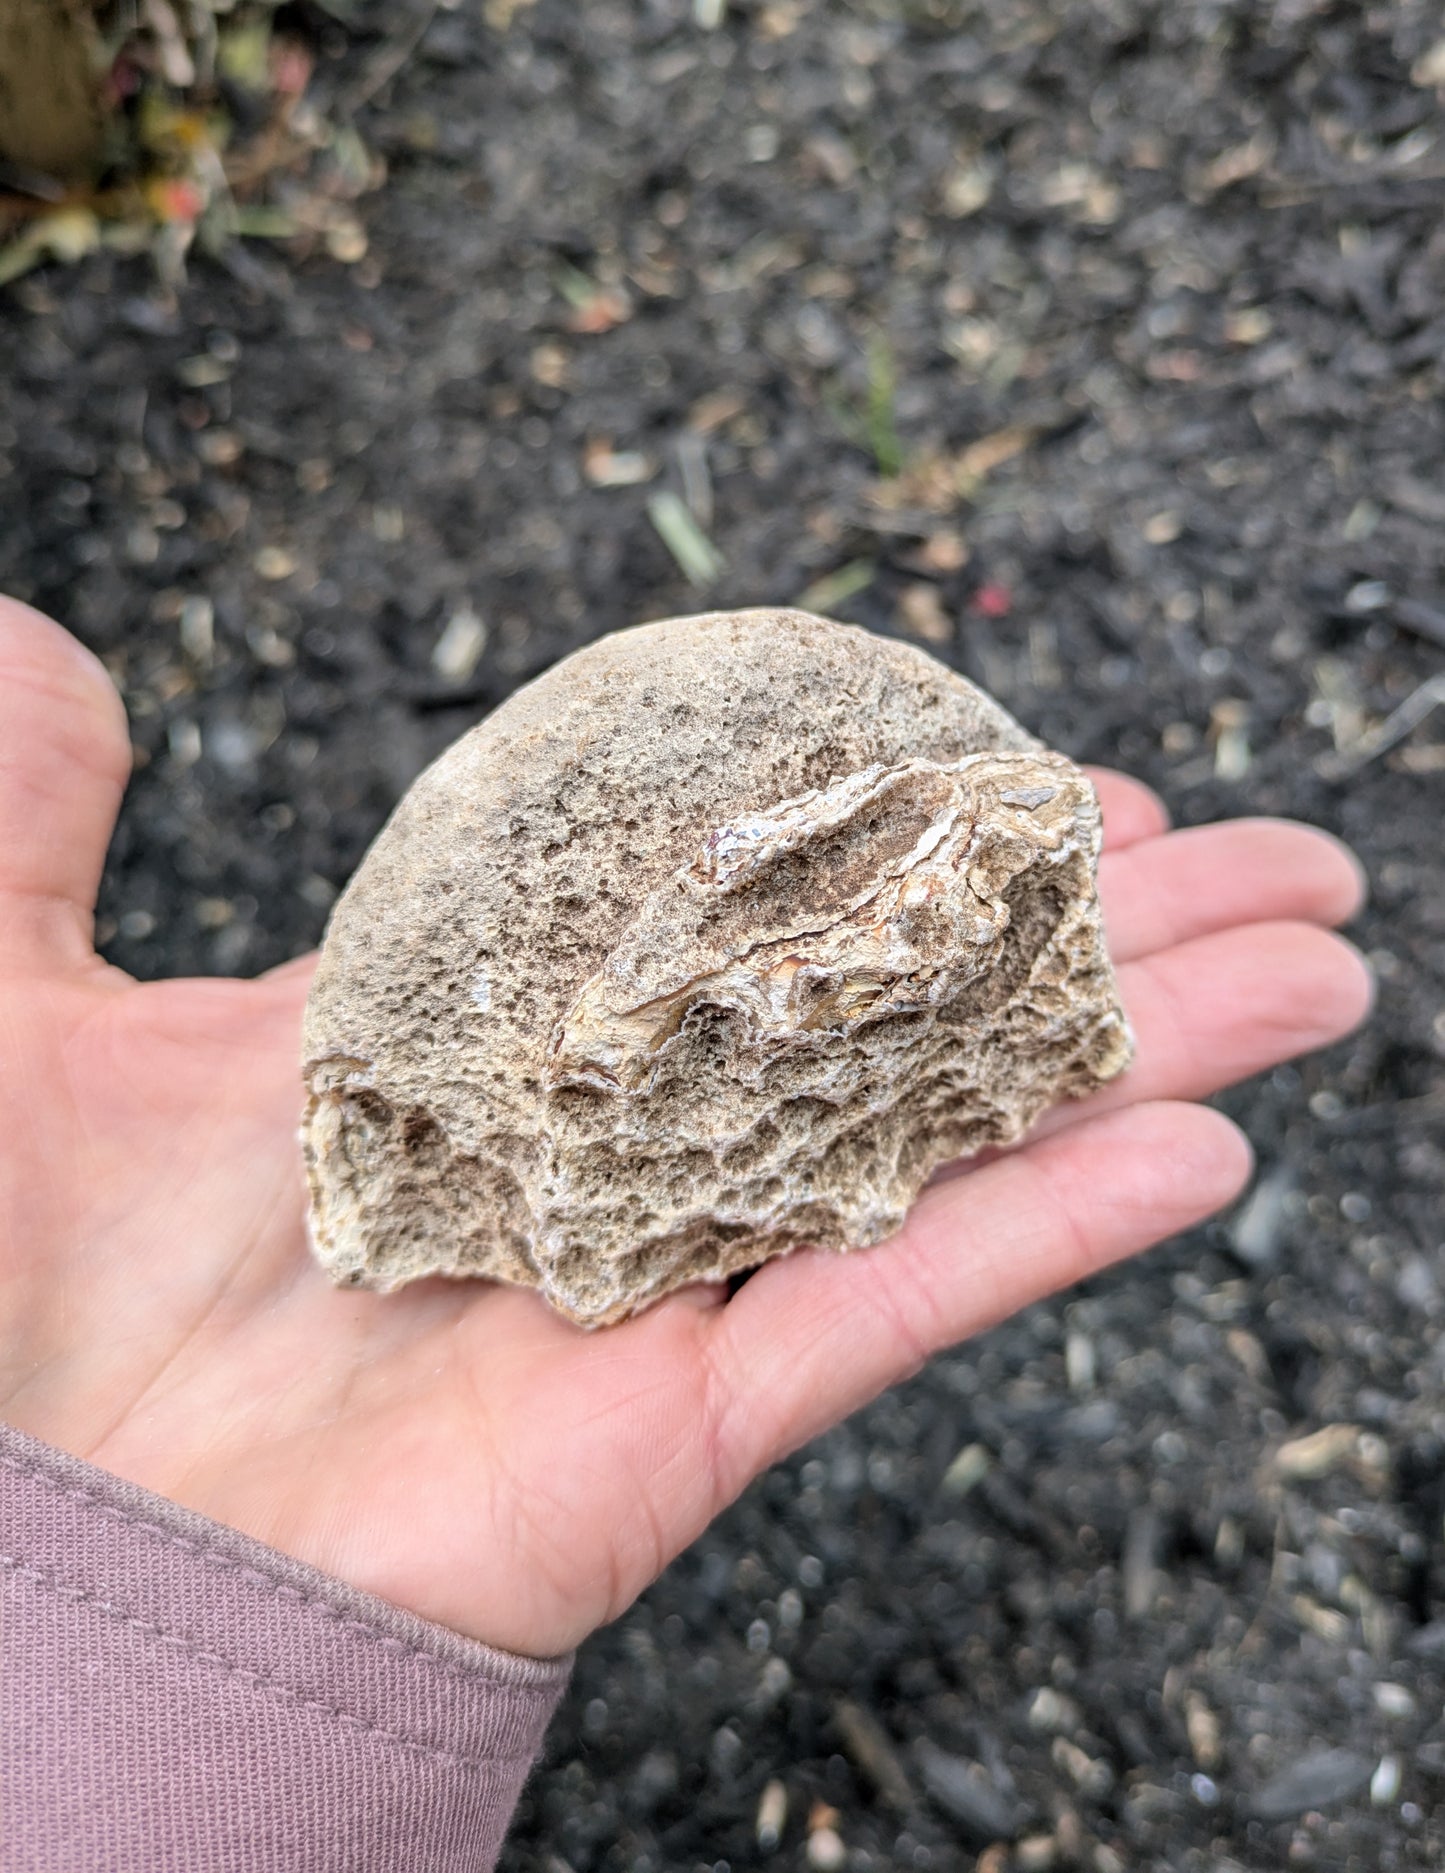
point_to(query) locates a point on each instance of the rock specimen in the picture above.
(715, 940)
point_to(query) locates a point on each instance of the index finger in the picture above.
(1132, 812)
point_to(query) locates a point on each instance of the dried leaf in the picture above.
(937, 483)
(981, 458)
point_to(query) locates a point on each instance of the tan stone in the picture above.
(715, 940)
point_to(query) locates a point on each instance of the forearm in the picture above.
(173, 1693)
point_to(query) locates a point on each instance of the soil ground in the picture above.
(1183, 266)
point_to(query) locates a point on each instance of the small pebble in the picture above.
(1088, 1773)
(967, 1470)
(826, 1852)
(1143, 1578)
(1202, 1727)
(1163, 528)
(142, 545)
(183, 738)
(1079, 1365)
(1321, 1780)
(458, 650)
(1305, 1458)
(1051, 1711)
(1385, 1782)
(274, 563)
(1394, 1700)
(775, 1680)
(772, 1815)
(213, 913)
(969, 1795)
(727, 1750)
(1254, 1233)
(197, 629)
(606, 467)
(1367, 595)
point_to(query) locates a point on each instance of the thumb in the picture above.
(64, 762)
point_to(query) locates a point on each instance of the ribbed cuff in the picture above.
(178, 1698)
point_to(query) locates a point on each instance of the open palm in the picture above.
(459, 1448)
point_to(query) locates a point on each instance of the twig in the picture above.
(1426, 621)
(1393, 730)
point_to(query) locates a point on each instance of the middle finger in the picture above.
(1190, 884)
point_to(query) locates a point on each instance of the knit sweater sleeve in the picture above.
(178, 1698)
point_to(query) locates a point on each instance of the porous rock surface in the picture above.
(713, 941)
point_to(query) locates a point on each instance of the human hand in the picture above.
(458, 1448)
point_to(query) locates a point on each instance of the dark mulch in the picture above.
(1195, 249)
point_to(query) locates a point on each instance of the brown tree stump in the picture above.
(51, 116)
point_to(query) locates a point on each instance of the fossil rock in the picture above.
(715, 940)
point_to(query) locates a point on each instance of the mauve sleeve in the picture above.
(177, 1698)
